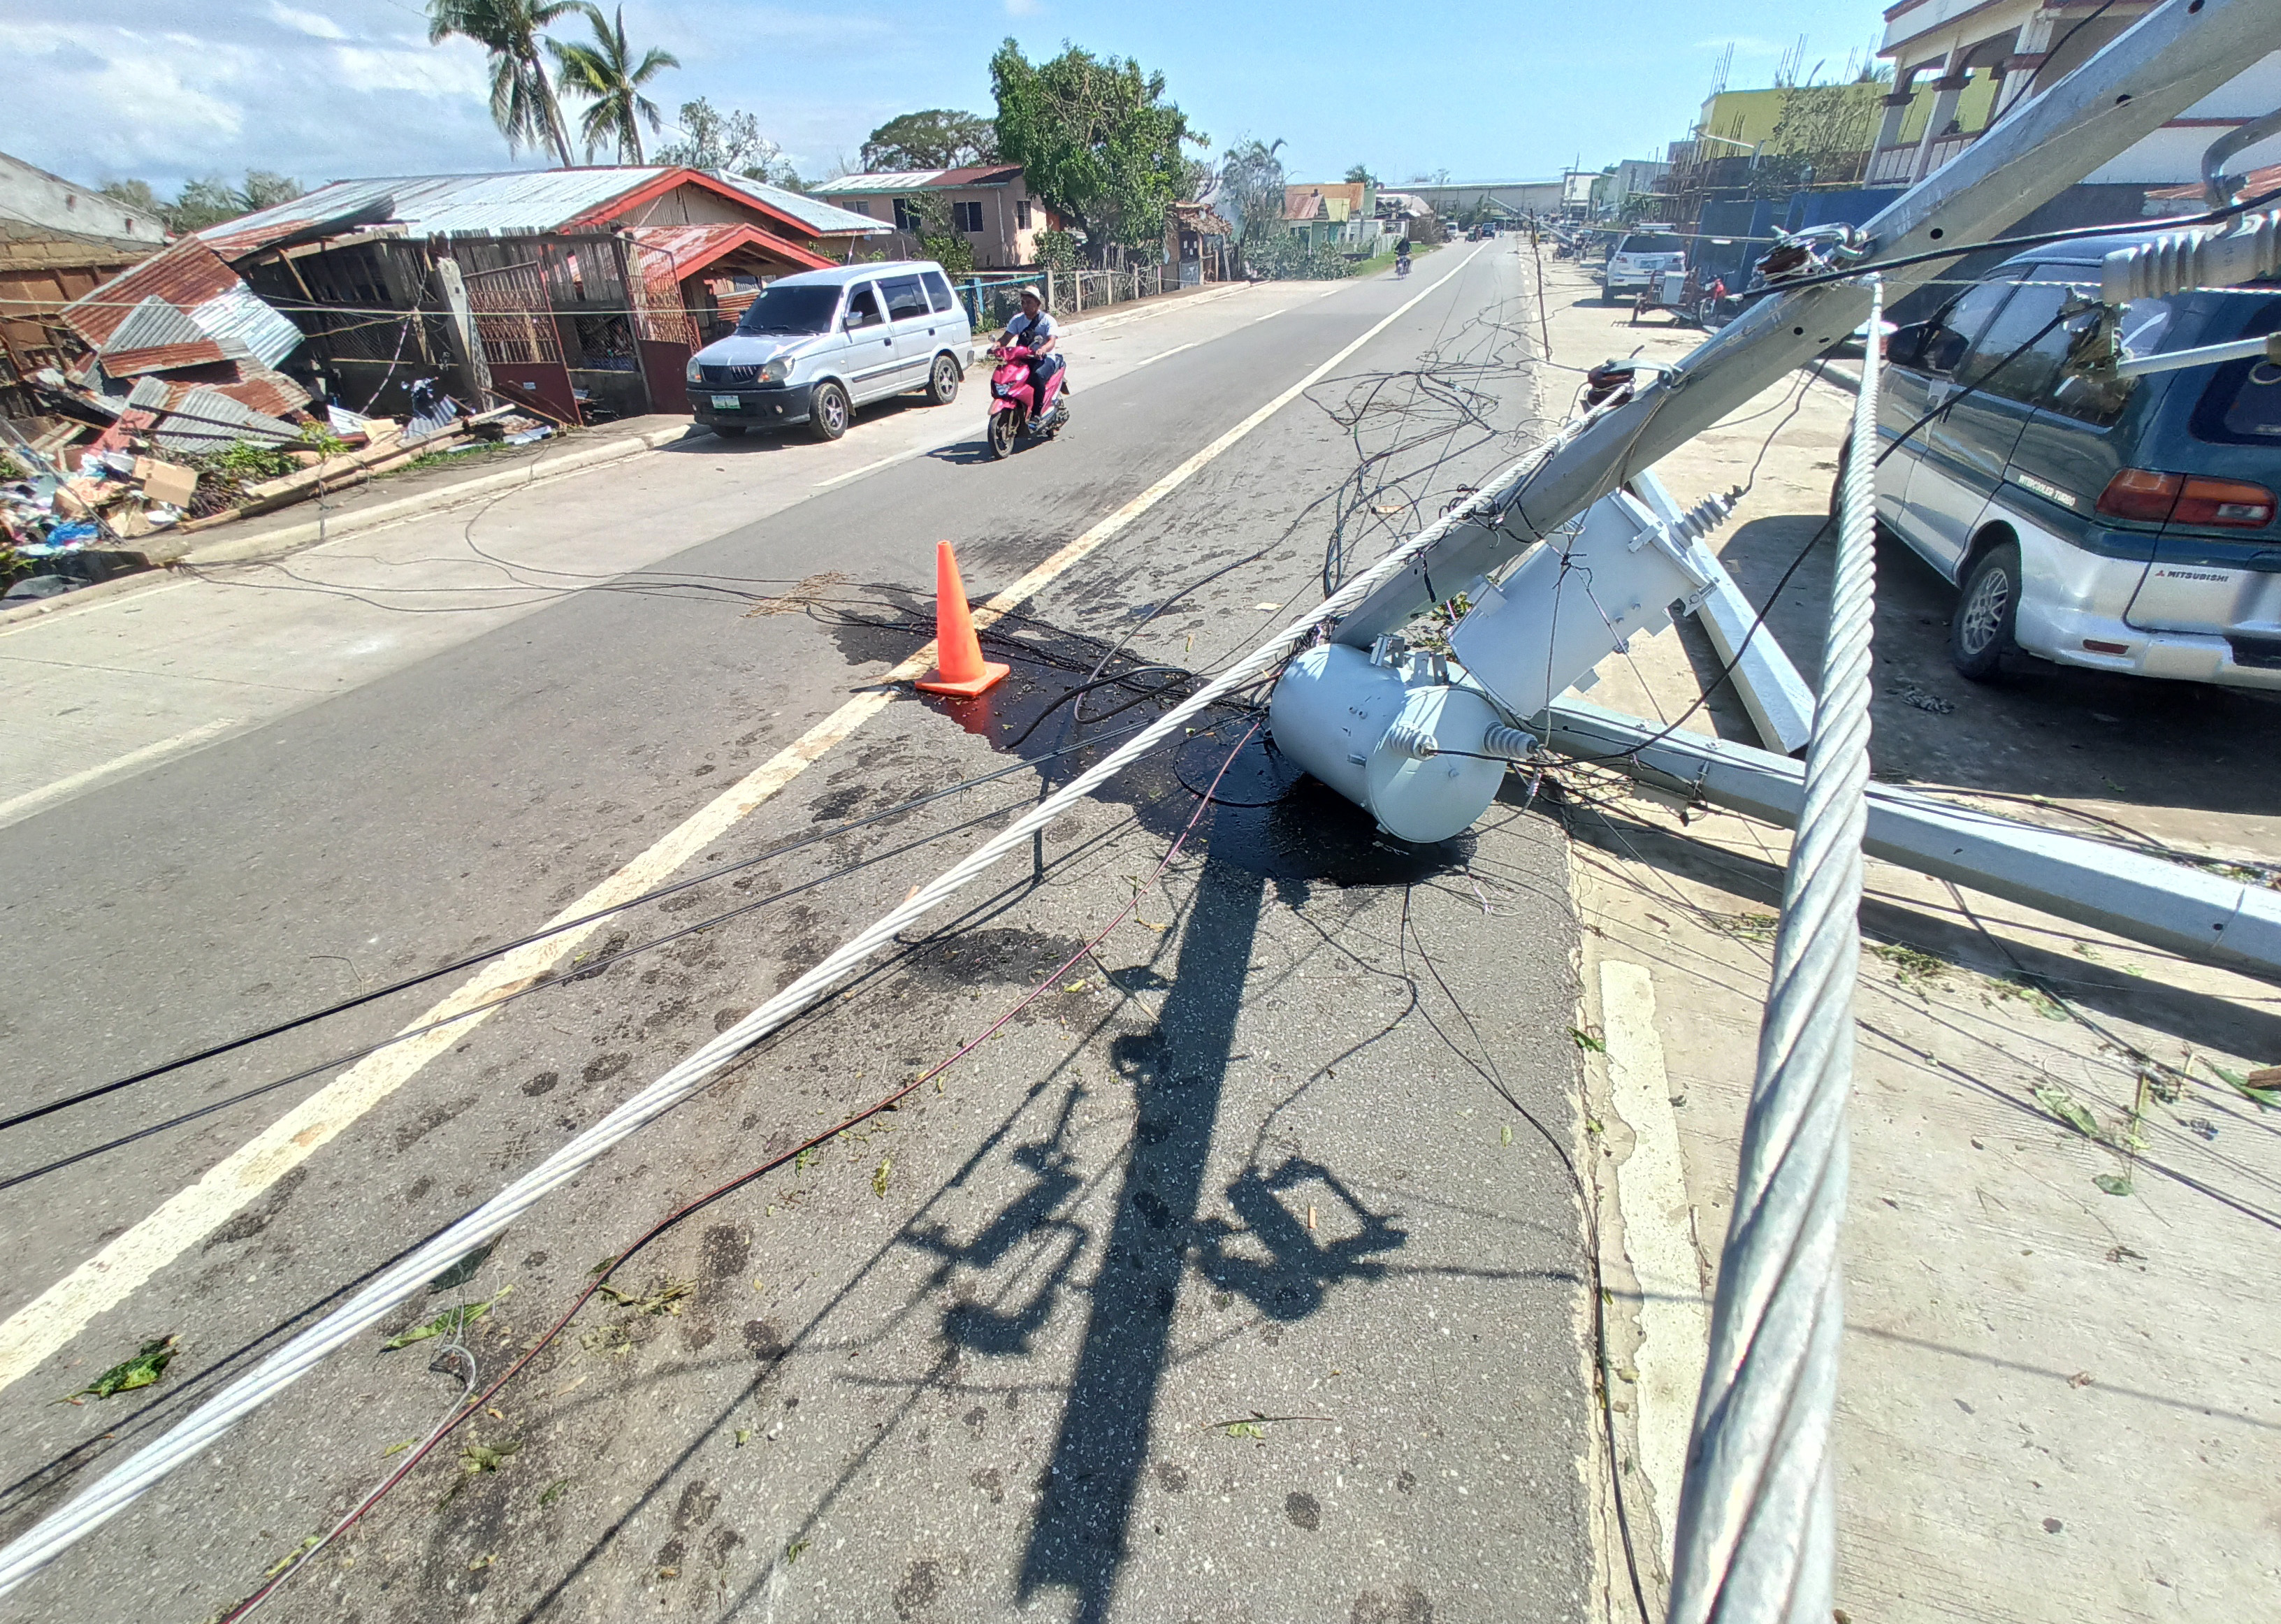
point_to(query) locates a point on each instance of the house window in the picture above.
(967, 217)
(1022, 214)
(907, 216)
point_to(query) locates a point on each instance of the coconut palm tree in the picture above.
(606, 74)
(522, 103)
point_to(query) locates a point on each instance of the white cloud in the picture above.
(313, 24)
(424, 71)
(1024, 8)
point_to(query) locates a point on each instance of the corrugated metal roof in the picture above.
(872, 185)
(126, 363)
(978, 174)
(180, 297)
(239, 314)
(185, 276)
(502, 204)
(813, 213)
(205, 419)
(154, 324)
(513, 201)
(692, 248)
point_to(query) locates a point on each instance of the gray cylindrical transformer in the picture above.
(1368, 730)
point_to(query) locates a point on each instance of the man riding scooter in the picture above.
(1402, 257)
(1033, 329)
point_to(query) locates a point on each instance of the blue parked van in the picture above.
(2125, 524)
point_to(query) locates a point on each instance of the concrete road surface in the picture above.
(1236, 1275)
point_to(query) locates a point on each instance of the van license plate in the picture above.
(726, 403)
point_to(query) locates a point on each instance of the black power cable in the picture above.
(470, 961)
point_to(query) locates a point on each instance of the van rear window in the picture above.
(2242, 405)
(1653, 242)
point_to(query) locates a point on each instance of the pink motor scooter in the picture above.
(1013, 413)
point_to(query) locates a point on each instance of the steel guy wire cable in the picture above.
(1756, 1522)
(470, 1402)
(207, 1425)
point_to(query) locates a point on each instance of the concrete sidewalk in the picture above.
(2061, 1394)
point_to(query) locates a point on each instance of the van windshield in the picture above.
(791, 310)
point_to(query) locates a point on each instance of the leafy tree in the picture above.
(209, 200)
(522, 103)
(1095, 140)
(937, 138)
(713, 139)
(728, 143)
(137, 195)
(606, 75)
(1360, 175)
(1251, 182)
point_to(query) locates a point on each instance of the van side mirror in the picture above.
(1905, 345)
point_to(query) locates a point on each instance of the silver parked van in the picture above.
(812, 348)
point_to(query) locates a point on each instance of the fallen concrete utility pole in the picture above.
(2170, 59)
(2150, 899)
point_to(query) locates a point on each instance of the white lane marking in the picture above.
(1175, 350)
(32, 801)
(871, 468)
(41, 1326)
(1658, 1237)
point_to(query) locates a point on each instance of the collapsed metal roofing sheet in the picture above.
(185, 276)
(205, 419)
(126, 363)
(153, 324)
(190, 277)
(239, 315)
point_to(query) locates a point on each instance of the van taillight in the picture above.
(2141, 494)
(2186, 498)
(2223, 501)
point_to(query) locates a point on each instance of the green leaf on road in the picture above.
(1586, 1041)
(148, 1364)
(2064, 1105)
(879, 1180)
(554, 1491)
(451, 1322)
(2264, 1095)
(2113, 1183)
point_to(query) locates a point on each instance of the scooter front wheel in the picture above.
(1003, 427)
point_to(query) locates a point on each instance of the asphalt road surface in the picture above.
(1236, 1275)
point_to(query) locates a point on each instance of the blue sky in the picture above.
(328, 89)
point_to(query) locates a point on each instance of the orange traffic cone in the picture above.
(959, 667)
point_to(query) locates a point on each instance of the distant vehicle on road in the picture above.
(811, 348)
(2126, 524)
(1639, 256)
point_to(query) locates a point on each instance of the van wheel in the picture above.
(1980, 630)
(942, 383)
(828, 411)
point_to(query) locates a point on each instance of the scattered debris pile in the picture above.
(176, 417)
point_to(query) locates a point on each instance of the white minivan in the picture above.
(1640, 257)
(811, 348)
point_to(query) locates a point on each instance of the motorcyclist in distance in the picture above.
(1402, 257)
(1033, 329)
